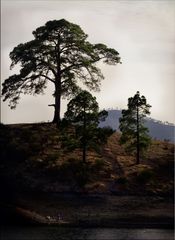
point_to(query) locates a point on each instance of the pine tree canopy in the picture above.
(135, 136)
(60, 54)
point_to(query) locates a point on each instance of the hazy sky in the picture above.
(143, 32)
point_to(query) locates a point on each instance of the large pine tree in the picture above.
(60, 54)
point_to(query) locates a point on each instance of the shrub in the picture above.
(36, 147)
(166, 166)
(98, 164)
(69, 143)
(122, 180)
(52, 158)
(75, 170)
(82, 175)
(145, 176)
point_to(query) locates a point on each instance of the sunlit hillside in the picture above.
(33, 157)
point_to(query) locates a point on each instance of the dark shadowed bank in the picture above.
(88, 210)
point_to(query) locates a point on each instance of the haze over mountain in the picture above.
(157, 129)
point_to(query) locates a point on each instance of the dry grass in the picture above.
(42, 150)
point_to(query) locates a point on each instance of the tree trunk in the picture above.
(56, 118)
(84, 136)
(84, 152)
(57, 104)
(138, 140)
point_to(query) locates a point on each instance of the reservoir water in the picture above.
(57, 233)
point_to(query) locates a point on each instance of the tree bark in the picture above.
(138, 140)
(84, 152)
(84, 136)
(57, 104)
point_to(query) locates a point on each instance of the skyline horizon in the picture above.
(107, 109)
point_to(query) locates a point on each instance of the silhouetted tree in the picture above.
(60, 54)
(83, 113)
(134, 134)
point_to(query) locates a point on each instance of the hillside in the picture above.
(33, 158)
(157, 129)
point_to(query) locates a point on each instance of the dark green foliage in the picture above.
(82, 107)
(135, 136)
(83, 113)
(82, 174)
(104, 133)
(98, 164)
(79, 172)
(166, 167)
(76, 171)
(59, 54)
(69, 143)
(100, 137)
(122, 180)
(51, 158)
(145, 176)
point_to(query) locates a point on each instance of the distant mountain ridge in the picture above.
(157, 129)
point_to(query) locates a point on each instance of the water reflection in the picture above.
(135, 234)
(56, 233)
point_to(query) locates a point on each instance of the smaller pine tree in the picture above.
(83, 112)
(135, 136)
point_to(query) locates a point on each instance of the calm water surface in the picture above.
(55, 233)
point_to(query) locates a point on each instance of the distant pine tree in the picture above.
(135, 136)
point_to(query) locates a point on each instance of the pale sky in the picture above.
(143, 32)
